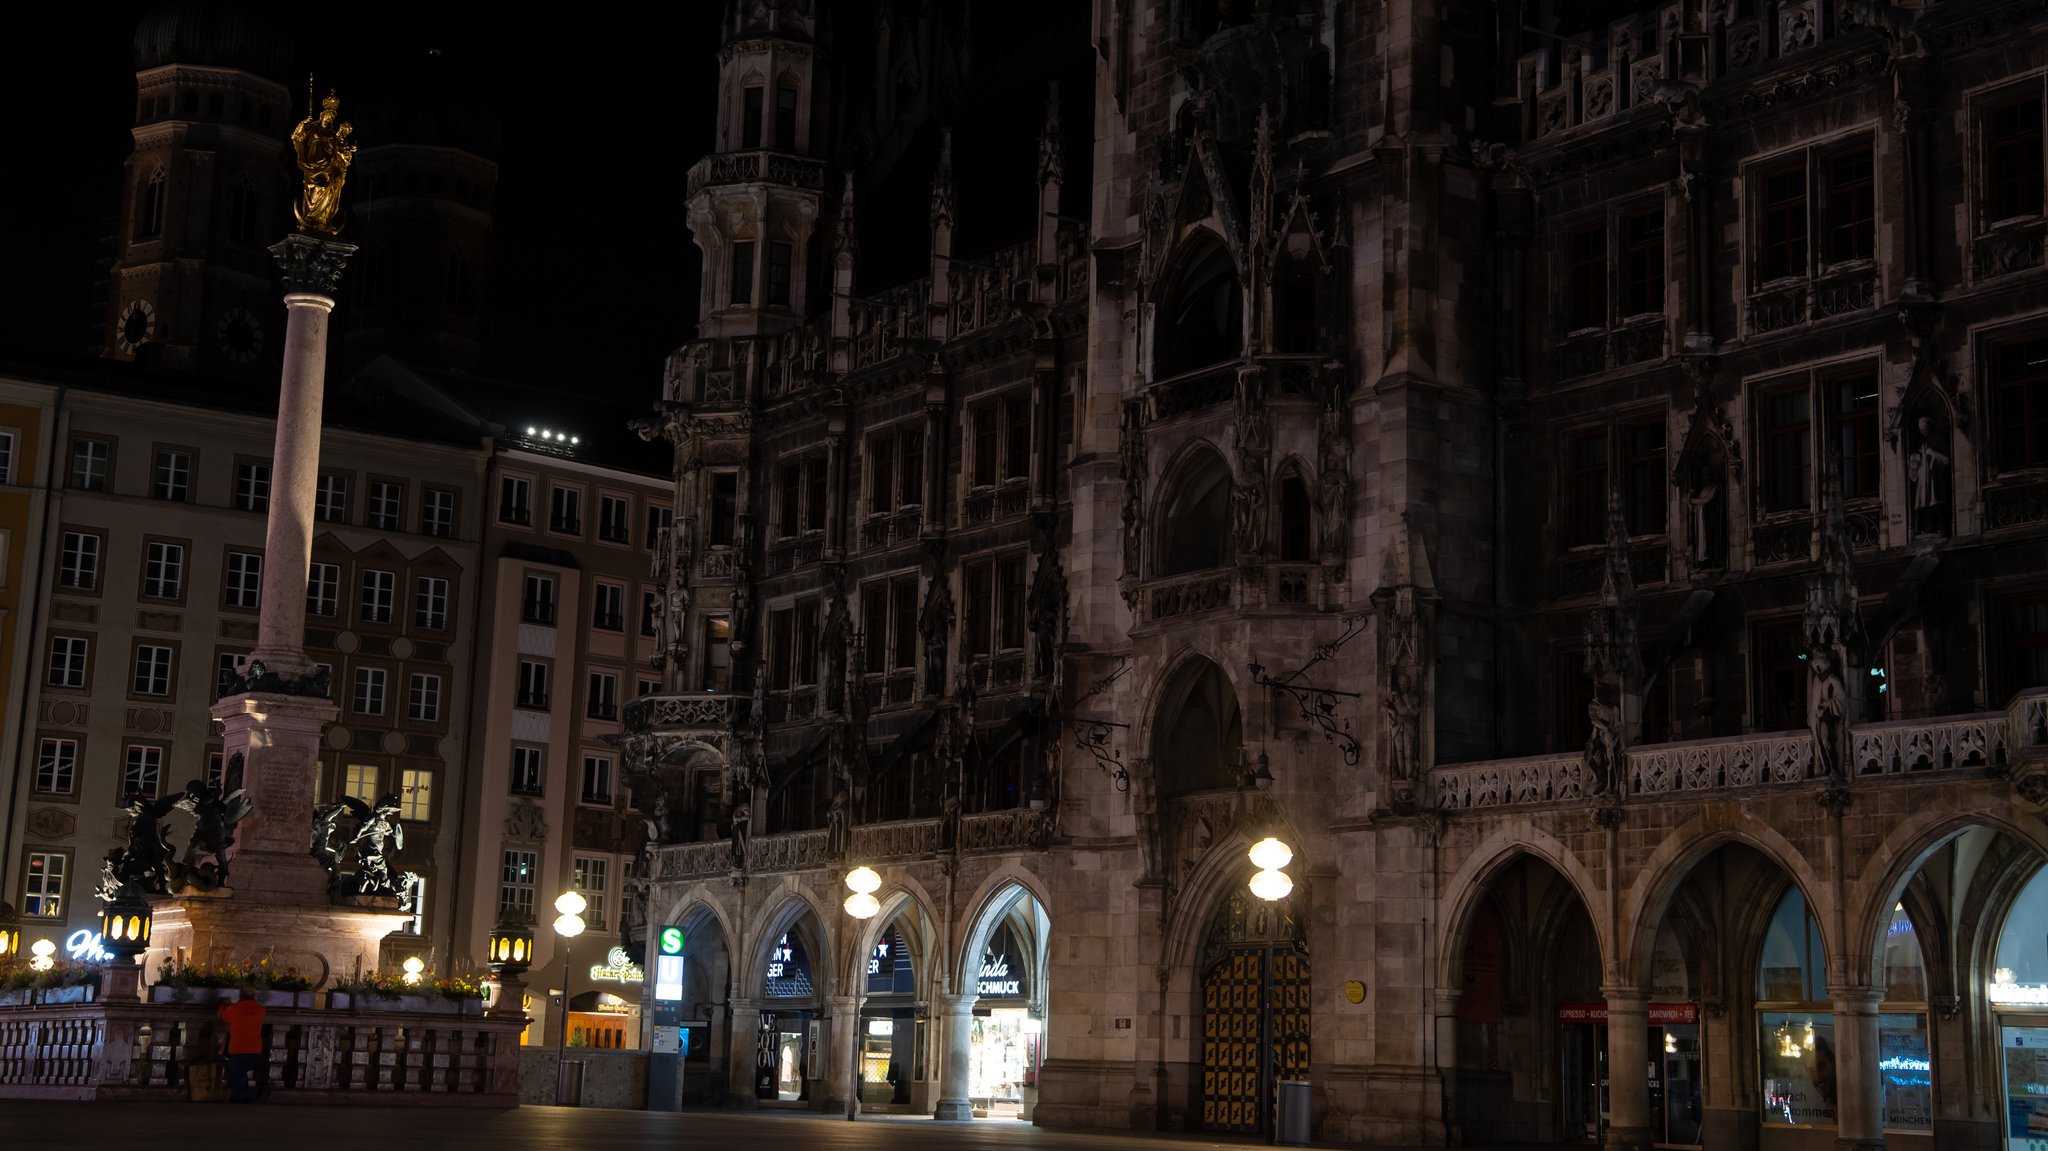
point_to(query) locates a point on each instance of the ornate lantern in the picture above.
(511, 946)
(10, 932)
(124, 925)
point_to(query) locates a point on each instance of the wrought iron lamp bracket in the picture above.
(1318, 704)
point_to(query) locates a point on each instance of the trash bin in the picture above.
(1293, 1113)
(569, 1084)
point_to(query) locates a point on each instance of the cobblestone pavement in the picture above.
(193, 1127)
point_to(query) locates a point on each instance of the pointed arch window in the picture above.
(1200, 731)
(150, 220)
(1202, 319)
(1195, 530)
(1297, 520)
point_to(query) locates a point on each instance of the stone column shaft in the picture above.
(956, 1032)
(294, 473)
(1628, 1068)
(743, 1034)
(1859, 1097)
(841, 1088)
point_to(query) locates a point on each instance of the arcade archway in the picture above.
(1245, 1049)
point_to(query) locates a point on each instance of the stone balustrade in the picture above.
(989, 832)
(114, 1050)
(658, 712)
(1664, 771)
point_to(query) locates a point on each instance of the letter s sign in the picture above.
(671, 941)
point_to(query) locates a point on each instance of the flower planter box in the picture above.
(285, 998)
(419, 1004)
(166, 993)
(17, 997)
(55, 996)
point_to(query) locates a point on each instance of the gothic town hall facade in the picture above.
(1575, 472)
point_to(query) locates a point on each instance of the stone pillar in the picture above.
(511, 1000)
(841, 1088)
(311, 273)
(1446, 1025)
(1628, 1068)
(1859, 1098)
(744, 1017)
(956, 1036)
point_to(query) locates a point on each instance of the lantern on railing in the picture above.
(511, 946)
(10, 932)
(124, 925)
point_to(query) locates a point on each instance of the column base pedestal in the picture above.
(953, 1109)
(838, 1107)
(1859, 1145)
(1628, 1139)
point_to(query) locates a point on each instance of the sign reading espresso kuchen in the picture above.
(1661, 1014)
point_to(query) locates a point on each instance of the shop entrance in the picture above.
(1674, 1069)
(1237, 1085)
(786, 1047)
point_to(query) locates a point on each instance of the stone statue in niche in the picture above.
(1336, 509)
(838, 823)
(833, 639)
(1927, 478)
(1402, 705)
(1824, 712)
(742, 823)
(934, 622)
(1603, 745)
(1709, 517)
(658, 606)
(1250, 501)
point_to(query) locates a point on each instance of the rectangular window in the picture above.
(89, 464)
(566, 515)
(874, 608)
(781, 639)
(779, 257)
(649, 612)
(814, 494)
(597, 779)
(881, 470)
(2021, 660)
(1643, 502)
(603, 702)
(528, 770)
(789, 494)
(416, 794)
(986, 436)
(515, 501)
(57, 767)
(67, 660)
(387, 505)
(590, 879)
(430, 603)
(143, 774)
(359, 781)
(751, 101)
(538, 606)
(903, 624)
(1850, 222)
(163, 571)
(2019, 397)
(743, 272)
(785, 119)
(725, 508)
(608, 613)
(1017, 436)
(805, 669)
(1585, 488)
(370, 691)
(423, 698)
(437, 513)
(533, 685)
(380, 592)
(2012, 160)
(216, 769)
(252, 487)
(979, 581)
(173, 475)
(614, 514)
(7, 442)
(79, 566)
(323, 589)
(330, 499)
(1785, 425)
(1642, 264)
(1782, 231)
(244, 582)
(1586, 279)
(43, 886)
(658, 520)
(518, 872)
(717, 655)
(1780, 686)
(226, 673)
(152, 670)
(1855, 434)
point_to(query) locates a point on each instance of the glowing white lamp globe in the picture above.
(569, 924)
(1271, 884)
(863, 905)
(42, 949)
(570, 903)
(863, 880)
(413, 969)
(1270, 854)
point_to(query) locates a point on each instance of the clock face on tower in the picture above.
(240, 334)
(136, 325)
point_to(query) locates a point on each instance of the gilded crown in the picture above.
(331, 103)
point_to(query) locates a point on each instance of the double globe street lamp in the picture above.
(1272, 884)
(568, 925)
(863, 882)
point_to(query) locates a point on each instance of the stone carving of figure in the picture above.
(676, 593)
(1824, 713)
(949, 820)
(1131, 462)
(1924, 475)
(1336, 510)
(1250, 501)
(144, 865)
(658, 607)
(1403, 707)
(742, 824)
(214, 817)
(838, 823)
(832, 644)
(934, 622)
(657, 821)
(1603, 746)
(1048, 602)
(1704, 501)
(324, 147)
(325, 817)
(378, 836)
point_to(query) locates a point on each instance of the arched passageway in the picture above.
(1254, 1010)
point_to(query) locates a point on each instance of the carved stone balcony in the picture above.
(1189, 595)
(986, 833)
(756, 167)
(2007, 247)
(652, 713)
(890, 529)
(1192, 391)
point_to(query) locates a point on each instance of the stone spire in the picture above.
(939, 311)
(1051, 171)
(845, 246)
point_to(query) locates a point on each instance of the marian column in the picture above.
(274, 720)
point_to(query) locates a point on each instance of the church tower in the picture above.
(203, 194)
(755, 202)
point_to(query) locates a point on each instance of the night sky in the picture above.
(593, 115)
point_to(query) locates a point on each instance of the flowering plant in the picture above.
(263, 974)
(374, 985)
(18, 975)
(458, 987)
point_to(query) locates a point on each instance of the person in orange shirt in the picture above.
(244, 1018)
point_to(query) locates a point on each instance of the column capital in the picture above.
(1625, 997)
(311, 265)
(961, 1004)
(1855, 999)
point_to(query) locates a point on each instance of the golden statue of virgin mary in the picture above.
(324, 147)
